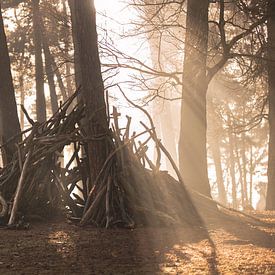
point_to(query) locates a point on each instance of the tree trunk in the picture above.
(84, 20)
(244, 160)
(77, 69)
(9, 122)
(21, 86)
(270, 195)
(232, 170)
(238, 159)
(50, 74)
(216, 154)
(22, 100)
(59, 78)
(251, 172)
(192, 143)
(213, 137)
(39, 72)
(67, 42)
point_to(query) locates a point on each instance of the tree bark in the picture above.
(85, 34)
(216, 154)
(68, 65)
(244, 160)
(39, 71)
(232, 170)
(240, 167)
(22, 100)
(214, 140)
(77, 69)
(192, 143)
(50, 74)
(9, 122)
(251, 172)
(270, 195)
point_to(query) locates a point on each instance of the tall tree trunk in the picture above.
(216, 154)
(67, 42)
(21, 84)
(59, 78)
(232, 170)
(238, 159)
(50, 74)
(244, 160)
(39, 71)
(192, 143)
(270, 195)
(251, 171)
(9, 122)
(77, 69)
(84, 20)
(213, 138)
(22, 100)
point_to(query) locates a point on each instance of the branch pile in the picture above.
(129, 190)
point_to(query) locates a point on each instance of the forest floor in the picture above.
(226, 247)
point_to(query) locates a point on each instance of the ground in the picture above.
(226, 247)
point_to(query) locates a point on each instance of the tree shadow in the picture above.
(148, 250)
(60, 248)
(247, 231)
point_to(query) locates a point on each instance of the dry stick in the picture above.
(19, 158)
(108, 218)
(31, 121)
(127, 131)
(4, 207)
(152, 126)
(166, 153)
(63, 107)
(140, 154)
(117, 132)
(64, 192)
(105, 165)
(107, 106)
(89, 212)
(19, 188)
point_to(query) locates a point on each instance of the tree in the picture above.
(270, 198)
(192, 143)
(77, 69)
(198, 73)
(50, 74)
(9, 122)
(84, 22)
(214, 137)
(39, 70)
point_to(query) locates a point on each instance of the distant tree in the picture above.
(39, 69)
(9, 122)
(49, 69)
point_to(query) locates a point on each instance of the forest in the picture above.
(137, 137)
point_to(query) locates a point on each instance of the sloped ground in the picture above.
(227, 247)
